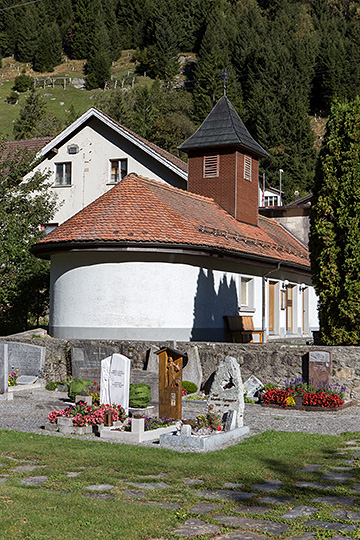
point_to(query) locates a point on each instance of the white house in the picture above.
(92, 155)
(149, 261)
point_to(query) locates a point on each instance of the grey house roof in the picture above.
(223, 127)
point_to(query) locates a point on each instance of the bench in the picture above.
(241, 328)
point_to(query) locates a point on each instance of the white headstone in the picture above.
(115, 380)
(227, 391)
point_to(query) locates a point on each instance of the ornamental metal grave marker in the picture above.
(319, 368)
(170, 382)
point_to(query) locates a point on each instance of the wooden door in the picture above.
(272, 306)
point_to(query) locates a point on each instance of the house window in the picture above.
(211, 166)
(247, 168)
(63, 174)
(271, 200)
(118, 170)
(246, 293)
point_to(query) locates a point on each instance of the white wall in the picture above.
(91, 167)
(118, 296)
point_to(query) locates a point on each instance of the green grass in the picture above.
(81, 99)
(60, 509)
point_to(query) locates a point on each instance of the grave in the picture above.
(227, 402)
(86, 360)
(193, 371)
(319, 368)
(115, 381)
(170, 381)
(4, 373)
(227, 391)
(252, 386)
(26, 359)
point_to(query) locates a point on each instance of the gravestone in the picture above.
(4, 370)
(252, 385)
(26, 359)
(170, 383)
(152, 360)
(193, 371)
(26, 379)
(227, 391)
(86, 359)
(319, 368)
(115, 381)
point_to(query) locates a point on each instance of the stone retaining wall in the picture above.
(269, 362)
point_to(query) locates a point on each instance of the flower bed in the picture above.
(87, 415)
(331, 397)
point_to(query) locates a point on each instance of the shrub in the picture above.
(77, 386)
(139, 395)
(190, 387)
(52, 385)
(22, 83)
(12, 98)
(92, 390)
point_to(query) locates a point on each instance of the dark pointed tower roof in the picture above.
(223, 127)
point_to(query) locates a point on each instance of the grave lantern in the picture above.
(171, 363)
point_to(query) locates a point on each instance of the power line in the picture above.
(20, 5)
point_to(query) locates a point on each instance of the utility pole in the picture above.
(280, 200)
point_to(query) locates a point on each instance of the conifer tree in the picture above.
(99, 62)
(28, 35)
(49, 49)
(87, 15)
(335, 227)
(34, 120)
(214, 56)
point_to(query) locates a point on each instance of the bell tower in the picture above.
(223, 162)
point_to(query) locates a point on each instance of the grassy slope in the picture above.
(81, 99)
(60, 508)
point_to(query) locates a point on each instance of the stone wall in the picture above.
(269, 362)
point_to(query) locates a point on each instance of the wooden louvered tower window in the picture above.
(247, 168)
(211, 166)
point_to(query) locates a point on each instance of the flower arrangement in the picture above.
(13, 377)
(87, 415)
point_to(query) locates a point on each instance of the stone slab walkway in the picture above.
(253, 520)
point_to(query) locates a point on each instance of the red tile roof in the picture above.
(32, 145)
(143, 211)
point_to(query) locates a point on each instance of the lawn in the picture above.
(60, 507)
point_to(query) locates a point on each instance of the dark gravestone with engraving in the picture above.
(319, 368)
(170, 383)
(86, 359)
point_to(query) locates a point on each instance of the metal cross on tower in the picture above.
(225, 74)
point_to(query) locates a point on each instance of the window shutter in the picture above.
(247, 168)
(211, 166)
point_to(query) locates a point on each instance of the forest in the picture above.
(288, 61)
